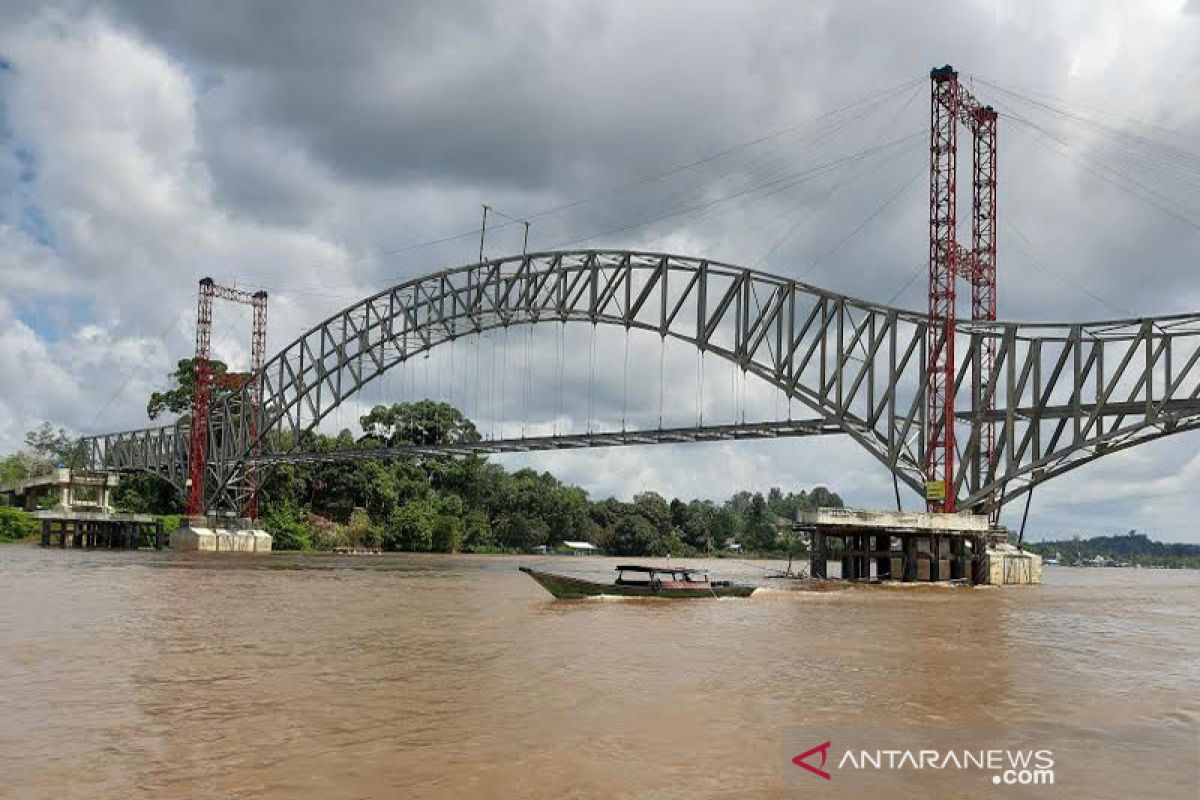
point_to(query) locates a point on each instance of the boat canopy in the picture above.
(673, 570)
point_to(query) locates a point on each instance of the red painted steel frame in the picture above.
(943, 258)
(203, 385)
(950, 104)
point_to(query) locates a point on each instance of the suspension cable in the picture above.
(591, 378)
(504, 382)
(562, 344)
(662, 347)
(625, 382)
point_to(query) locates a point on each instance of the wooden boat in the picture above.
(646, 582)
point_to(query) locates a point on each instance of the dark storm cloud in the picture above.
(542, 102)
(522, 94)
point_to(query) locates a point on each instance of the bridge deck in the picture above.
(716, 433)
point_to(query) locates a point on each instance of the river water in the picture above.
(160, 675)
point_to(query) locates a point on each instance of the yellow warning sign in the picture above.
(935, 490)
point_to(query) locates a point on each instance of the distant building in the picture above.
(581, 548)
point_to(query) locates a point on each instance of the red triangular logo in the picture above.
(823, 749)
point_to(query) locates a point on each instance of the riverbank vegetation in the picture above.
(430, 504)
(15, 525)
(1132, 549)
(471, 504)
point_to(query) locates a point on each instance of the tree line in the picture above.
(470, 504)
(1132, 548)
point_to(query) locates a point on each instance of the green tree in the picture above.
(288, 526)
(634, 535)
(821, 497)
(447, 534)
(361, 532)
(425, 422)
(23, 464)
(143, 493)
(521, 532)
(699, 526)
(758, 529)
(178, 399)
(477, 533)
(56, 446)
(15, 524)
(410, 527)
(655, 509)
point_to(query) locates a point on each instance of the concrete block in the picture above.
(193, 537)
(194, 540)
(1006, 565)
(262, 540)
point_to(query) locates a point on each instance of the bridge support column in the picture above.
(958, 558)
(910, 559)
(818, 566)
(883, 560)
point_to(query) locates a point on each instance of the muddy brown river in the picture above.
(156, 675)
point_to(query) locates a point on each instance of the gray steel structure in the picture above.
(1060, 394)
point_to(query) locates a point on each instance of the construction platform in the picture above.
(95, 530)
(913, 547)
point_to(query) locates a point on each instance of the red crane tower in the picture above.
(951, 104)
(202, 385)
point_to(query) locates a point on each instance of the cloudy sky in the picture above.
(322, 151)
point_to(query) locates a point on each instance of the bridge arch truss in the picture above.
(1059, 395)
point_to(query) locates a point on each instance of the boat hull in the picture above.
(565, 588)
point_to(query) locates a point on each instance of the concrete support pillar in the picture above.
(817, 563)
(883, 562)
(45, 533)
(910, 559)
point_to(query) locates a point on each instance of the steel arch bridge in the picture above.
(1059, 395)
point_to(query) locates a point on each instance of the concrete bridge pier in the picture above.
(95, 531)
(220, 535)
(882, 545)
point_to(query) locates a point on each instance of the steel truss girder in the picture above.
(576, 441)
(1060, 395)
